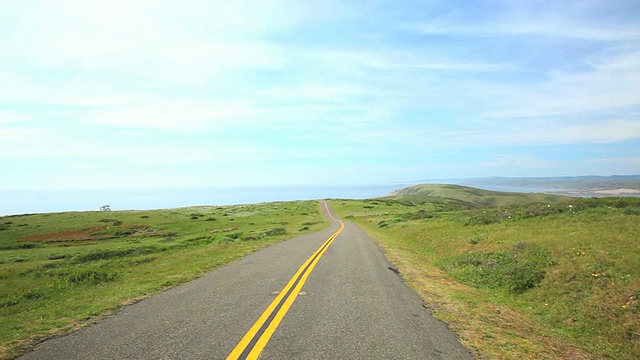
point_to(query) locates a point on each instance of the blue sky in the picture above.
(163, 94)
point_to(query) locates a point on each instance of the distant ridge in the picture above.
(592, 185)
(464, 195)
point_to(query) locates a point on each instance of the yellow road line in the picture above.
(258, 336)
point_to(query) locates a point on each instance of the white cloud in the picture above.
(585, 20)
(175, 115)
(149, 85)
(29, 144)
(556, 132)
(9, 117)
(515, 160)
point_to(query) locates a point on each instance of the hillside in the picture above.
(571, 183)
(539, 280)
(575, 186)
(469, 196)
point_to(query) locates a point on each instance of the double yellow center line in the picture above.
(258, 336)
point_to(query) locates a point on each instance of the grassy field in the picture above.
(62, 271)
(523, 277)
(516, 275)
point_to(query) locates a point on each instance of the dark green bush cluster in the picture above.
(486, 217)
(112, 221)
(387, 223)
(226, 239)
(213, 239)
(632, 210)
(516, 270)
(90, 277)
(628, 206)
(200, 240)
(20, 246)
(112, 254)
(420, 215)
(5, 225)
(276, 231)
(114, 233)
(58, 256)
(538, 210)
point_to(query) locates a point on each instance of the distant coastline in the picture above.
(45, 201)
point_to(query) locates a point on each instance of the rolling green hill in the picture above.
(464, 195)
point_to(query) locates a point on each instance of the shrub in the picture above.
(386, 223)
(484, 217)
(114, 233)
(225, 240)
(517, 270)
(632, 211)
(474, 240)
(276, 232)
(90, 277)
(421, 214)
(200, 240)
(111, 254)
(20, 246)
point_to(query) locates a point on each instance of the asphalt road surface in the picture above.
(352, 306)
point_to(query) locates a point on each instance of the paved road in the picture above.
(352, 306)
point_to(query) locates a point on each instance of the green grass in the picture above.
(517, 276)
(62, 271)
(543, 280)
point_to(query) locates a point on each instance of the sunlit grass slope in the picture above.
(470, 196)
(538, 280)
(63, 270)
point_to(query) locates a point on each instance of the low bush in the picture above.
(111, 254)
(276, 232)
(225, 240)
(20, 246)
(386, 223)
(90, 277)
(516, 270)
(421, 214)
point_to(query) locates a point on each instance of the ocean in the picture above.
(45, 201)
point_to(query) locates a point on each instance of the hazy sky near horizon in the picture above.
(162, 94)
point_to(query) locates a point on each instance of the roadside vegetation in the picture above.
(526, 276)
(61, 271)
